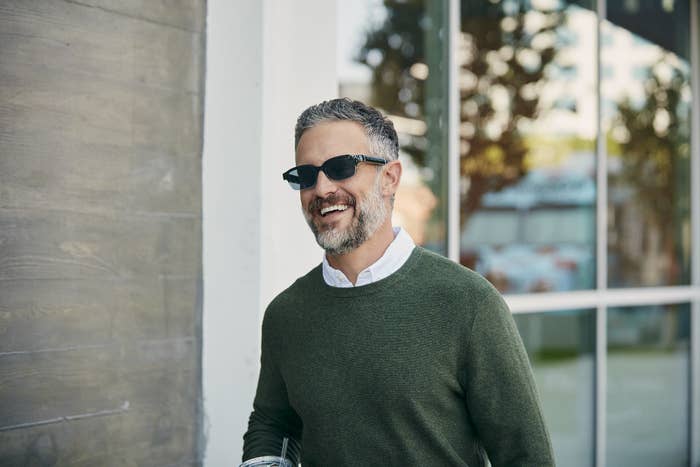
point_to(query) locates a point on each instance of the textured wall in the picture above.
(100, 232)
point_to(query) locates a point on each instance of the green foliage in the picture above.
(657, 148)
(652, 149)
(496, 53)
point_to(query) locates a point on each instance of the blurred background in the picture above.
(553, 146)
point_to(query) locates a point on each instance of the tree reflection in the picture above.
(649, 179)
(503, 52)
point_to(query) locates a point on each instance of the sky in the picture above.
(352, 20)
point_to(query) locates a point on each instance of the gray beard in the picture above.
(371, 214)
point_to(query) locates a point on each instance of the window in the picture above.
(555, 151)
(393, 56)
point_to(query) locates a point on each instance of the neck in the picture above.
(357, 260)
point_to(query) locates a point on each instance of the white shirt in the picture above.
(394, 257)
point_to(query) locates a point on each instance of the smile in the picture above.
(335, 207)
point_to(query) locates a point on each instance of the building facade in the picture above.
(551, 145)
(101, 107)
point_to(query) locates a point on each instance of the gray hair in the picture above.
(380, 131)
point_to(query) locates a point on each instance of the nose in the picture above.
(324, 185)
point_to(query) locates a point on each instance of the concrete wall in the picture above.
(100, 232)
(266, 62)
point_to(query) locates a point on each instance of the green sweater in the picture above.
(422, 368)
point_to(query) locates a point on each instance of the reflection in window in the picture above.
(647, 400)
(561, 348)
(646, 120)
(393, 55)
(528, 127)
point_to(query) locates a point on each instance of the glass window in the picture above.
(647, 374)
(393, 55)
(561, 347)
(527, 83)
(528, 132)
(646, 122)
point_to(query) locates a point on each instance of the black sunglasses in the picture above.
(335, 168)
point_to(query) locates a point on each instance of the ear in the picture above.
(391, 177)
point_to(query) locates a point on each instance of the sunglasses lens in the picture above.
(340, 168)
(336, 168)
(307, 176)
(292, 177)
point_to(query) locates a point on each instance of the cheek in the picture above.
(304, 200)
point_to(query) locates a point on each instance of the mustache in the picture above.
(318, 203)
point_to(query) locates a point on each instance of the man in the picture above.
(385, 353)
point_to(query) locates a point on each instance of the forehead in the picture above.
(330, 139)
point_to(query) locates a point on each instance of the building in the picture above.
(551, 145)
(534, 125)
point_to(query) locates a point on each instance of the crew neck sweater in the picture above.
(422, 368)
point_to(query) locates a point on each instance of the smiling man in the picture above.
(384, 354)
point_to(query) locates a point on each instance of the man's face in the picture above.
(341, 214)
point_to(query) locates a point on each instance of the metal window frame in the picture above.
(453, 143)
(602, 297)
(694, 387)
(601, 338)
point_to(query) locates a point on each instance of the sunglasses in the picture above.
(335, 168)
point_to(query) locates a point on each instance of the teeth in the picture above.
(336, 207)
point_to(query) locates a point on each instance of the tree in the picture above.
(654, 154)
(504, 50)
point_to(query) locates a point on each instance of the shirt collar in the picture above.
(394, 257)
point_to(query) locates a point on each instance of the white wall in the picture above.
(299, 70)
(266, 62)
(231, 221)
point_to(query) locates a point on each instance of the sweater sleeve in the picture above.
(272, 418)
(501, 395)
